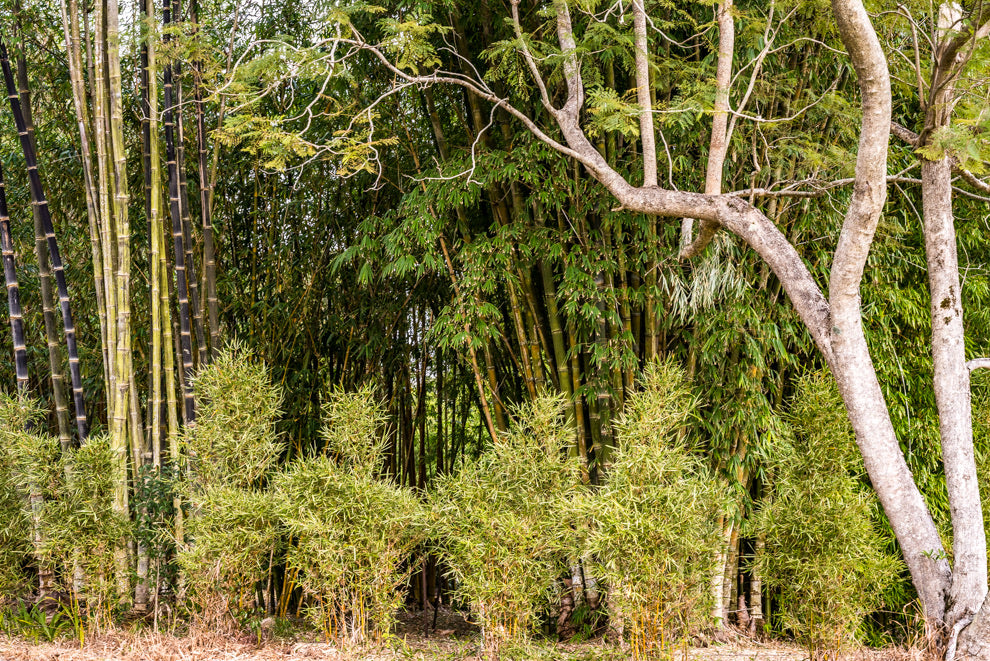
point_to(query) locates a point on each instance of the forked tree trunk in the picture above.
(835, 323)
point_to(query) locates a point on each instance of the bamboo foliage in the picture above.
(503, 271)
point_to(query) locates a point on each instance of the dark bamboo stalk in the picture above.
(205, 202)
(45, 273)
(182, 289)
(192, 280)
(38, 199)
(13, 295)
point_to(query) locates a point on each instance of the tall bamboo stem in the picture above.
(45, 272)
(205, 201)
(71, 29)
(38, 199)
(13, 294)
(182, 289)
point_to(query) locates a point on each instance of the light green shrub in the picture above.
(824, 555)
(654, 530)
(506, 524)
(68, 523)
(13, 535)
(15, 526)
(234, 441)
(232, 531)
(83, 531)
(351, 530)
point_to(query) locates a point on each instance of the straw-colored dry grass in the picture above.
(121, 646)
(415, 639)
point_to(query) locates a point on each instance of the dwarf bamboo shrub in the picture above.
(981, 439)
(14, 547)
(234, 442)
(15, 526)
(654, 524)
(351, 529)
(84, 533)
(69, 523)
(507, 523)
(232, 530)
(824, 555)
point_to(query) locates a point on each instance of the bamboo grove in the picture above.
(352, 231)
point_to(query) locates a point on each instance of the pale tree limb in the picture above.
(853, 367)
(951, 377)
(719, 144)
(647, 134)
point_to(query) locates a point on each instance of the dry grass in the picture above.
(416, 639)
(122, 646)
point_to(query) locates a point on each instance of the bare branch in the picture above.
(904, 133)
(528, 56)
(972, 180)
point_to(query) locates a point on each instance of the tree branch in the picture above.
(647, 134)
(719, 144)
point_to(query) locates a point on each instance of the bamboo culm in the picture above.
(182, 288)
(38, 199)
(13, 295)
(55, 359)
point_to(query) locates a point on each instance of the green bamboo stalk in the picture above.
(153, 194)
(557, 334)
(517, 322)
(124, 358)
(635, 282)
(71, 29)
(538, 345)
(38, 199)
(96, 48)
(171, 400)
(582, 439)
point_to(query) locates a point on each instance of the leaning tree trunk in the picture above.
(39, 201)
(836, 324)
